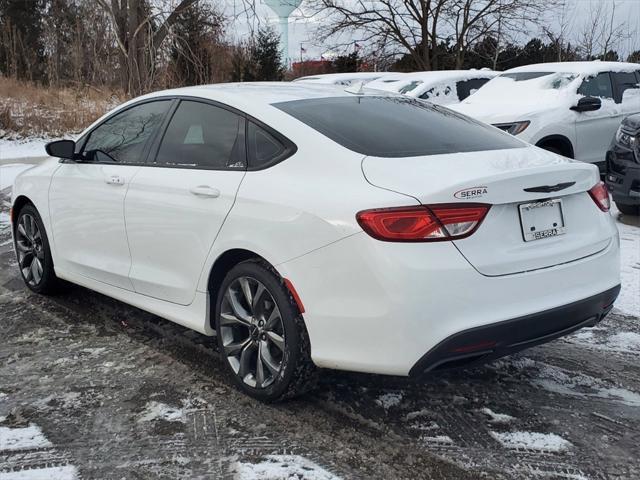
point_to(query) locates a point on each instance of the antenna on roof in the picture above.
(356, 88)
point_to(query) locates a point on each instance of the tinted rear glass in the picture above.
(396, 126)
(523, 76)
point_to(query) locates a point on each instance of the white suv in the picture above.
(570, 108)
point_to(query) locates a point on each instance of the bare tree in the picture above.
(421, 27)
(602, 33)
(140, 30)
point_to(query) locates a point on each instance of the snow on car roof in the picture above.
(394, 82)
(577, 67)
(339, 77)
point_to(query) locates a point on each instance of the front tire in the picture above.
(628, 209)
(33, 253)
(262, 339)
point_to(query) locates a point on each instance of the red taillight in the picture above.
(423, 223)
(600, 195)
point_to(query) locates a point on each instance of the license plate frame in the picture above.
(542, 219)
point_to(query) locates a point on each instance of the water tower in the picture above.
(283, 8)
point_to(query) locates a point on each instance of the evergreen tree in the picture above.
(346, 63)
(266, 57)
(634, 57)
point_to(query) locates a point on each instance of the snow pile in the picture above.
(66, 472)
(389, 400)
(8, 173)
(282, 467)
(497, 417)
(22, 438)
(549, 442)
(161, 411)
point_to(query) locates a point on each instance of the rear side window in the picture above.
(201, 135)
(597, 86)
(467, 87)
(263, 148)
(624, 81)
(122, 138)
(396, 126)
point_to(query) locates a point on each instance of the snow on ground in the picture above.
(497, 417)
(629, 300)
(9, 172)
(161, 411)
(532, 441)
(389, 400)
(563, 382)
(66, 472)
(22, 438)
(30, 147)
(282, 467)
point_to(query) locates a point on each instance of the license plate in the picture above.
(542, 219)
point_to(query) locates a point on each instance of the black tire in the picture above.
(47, 283)
(551, 149)
(296, 374)
(625, 209)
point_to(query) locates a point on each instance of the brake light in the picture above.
(600, 195)
(423, 223)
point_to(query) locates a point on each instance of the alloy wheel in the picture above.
(30, 248)
(252, 332)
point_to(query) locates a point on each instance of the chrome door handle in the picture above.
(114, 180)
(205, 191)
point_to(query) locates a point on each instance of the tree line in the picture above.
(141, 45)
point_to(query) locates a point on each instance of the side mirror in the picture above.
(61, 149)
(587, 104)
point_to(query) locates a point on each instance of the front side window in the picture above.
(396, 126)
(597, 86)
(203, 135)
(122, 138)
(624, 81)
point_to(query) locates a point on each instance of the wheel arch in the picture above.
(229, 259)
(559, 142)
(18, 203)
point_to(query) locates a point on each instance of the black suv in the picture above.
(623, 166)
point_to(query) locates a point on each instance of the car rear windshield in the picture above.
(396, 126)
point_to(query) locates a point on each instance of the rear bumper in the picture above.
(488, 342)
(377, 307)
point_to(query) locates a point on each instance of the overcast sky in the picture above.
(302, 28)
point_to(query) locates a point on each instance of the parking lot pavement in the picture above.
(91, 388)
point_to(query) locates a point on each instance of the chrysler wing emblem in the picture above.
(550, 188)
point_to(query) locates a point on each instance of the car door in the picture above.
(595, 129)
(177, 204)
(86, 197)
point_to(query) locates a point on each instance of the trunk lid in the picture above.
(500, 178)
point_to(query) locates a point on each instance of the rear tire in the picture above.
(262, 338)
(33, 253)
(628, 209)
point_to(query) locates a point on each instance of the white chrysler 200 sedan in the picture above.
(309, 227)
